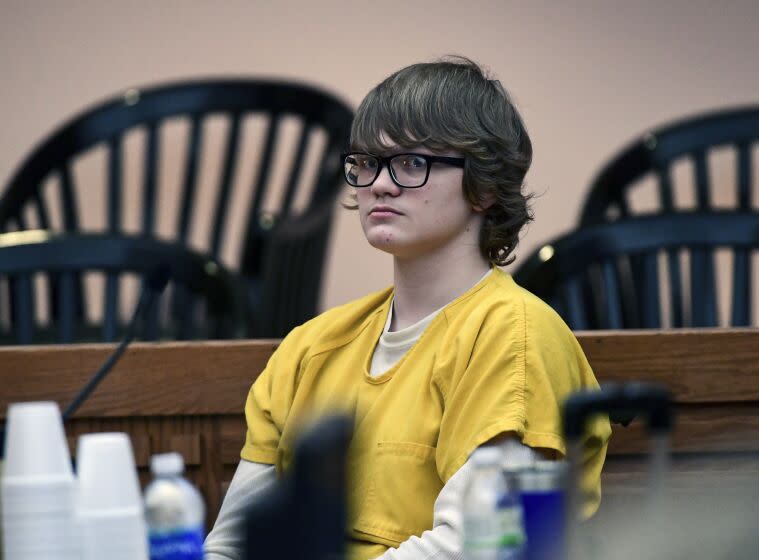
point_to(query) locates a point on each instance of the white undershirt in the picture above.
(393, 345)
(442, 542)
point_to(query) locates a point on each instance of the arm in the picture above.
(443, 541)
(225, 540)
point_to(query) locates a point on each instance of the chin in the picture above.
(383, 244)
(393, 247)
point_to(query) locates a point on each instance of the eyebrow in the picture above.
(395, 150)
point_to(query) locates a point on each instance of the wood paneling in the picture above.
(164, 379)
(700, 366)
(189, 397)
(729, 427)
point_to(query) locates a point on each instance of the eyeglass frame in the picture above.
(385, 161)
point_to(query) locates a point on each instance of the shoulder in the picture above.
(500, 303)
(340, 324)
(503, 321)
(328, 330)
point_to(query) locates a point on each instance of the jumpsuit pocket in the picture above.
(401, 494)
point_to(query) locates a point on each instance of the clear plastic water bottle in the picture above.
(492, 511)
(174, 511)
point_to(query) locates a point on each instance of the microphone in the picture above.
(152, 288)
(154, 284)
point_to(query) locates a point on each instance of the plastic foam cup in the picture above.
(35, 444)
(38, 485)
(109, 507)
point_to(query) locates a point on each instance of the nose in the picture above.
(384, 185)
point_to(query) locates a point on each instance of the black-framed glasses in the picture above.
(409, 170)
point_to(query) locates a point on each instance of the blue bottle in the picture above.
(174, 511)
(543, 495)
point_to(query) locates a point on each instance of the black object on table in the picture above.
(304, 515)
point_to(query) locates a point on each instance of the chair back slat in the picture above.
(43, 217)
(328, 175)
(115, 166)
(68, 200)
(264, 168)
(5, 304)
(703, 291)
(184, 314)
(741, 300)
(649, 296)
(296, 169)
(745, 178)
(150, 179)
(675, 288)
(23, 311)
(150, 317)
(110, 307)
(22, 223)
(665, 189)
(299, 257)
(574, 301)
(222, 199)
(702, 180)
(613, 305)
(623, 208)
(71, 223)
(288, 257)
(627, 276)
(309, 294)
(67, 306)
(253, 246)
(559, 305)
(190, 180)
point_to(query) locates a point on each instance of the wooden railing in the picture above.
(189, 397)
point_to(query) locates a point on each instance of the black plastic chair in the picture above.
(284, 247)
(214, 307)
(659, 149)
(585, 275)
(655, 155)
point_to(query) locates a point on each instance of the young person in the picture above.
(454, 355)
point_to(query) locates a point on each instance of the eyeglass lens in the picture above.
(409, 170)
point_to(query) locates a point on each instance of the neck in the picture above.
(425, 284)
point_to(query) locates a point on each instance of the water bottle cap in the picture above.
(165, 464)
(487, 455)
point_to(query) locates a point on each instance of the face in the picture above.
(410, 223)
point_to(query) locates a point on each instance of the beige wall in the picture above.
(587, 75)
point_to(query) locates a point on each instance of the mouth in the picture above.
(384, 211)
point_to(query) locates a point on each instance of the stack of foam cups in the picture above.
(109, 510)
(38, 486)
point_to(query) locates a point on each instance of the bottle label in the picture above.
(499, 535)
(182, 544)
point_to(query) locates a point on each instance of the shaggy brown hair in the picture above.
(453, 105)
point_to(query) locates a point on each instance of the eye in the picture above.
(413, 162)
(366, 162)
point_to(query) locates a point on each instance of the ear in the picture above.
(486, 201)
